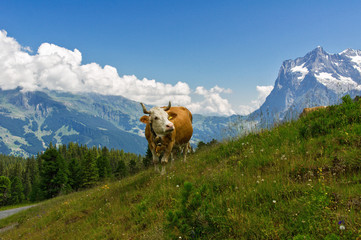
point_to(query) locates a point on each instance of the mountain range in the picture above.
(317, 79)
(29, 121)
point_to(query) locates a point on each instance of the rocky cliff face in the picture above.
(318, 78)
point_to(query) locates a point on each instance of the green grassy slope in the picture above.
(300, 180)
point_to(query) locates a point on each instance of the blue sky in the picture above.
(234, 45)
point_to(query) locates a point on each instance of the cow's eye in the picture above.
(156, 118)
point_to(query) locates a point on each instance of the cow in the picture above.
(166, 128)
(312, 109)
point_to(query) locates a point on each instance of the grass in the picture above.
(299, 180)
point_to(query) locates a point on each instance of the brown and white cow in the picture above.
(312, 109)
(167, 127)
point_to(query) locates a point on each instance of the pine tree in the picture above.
(53, 176)
(16, 170)
(148, 159)
(27, 185)
(103, 165)
(75, 174)
(31, 172)
(36, 194)
(121, 170)
(5, 187)
(133, 166)
(2, 168)
(17, 195)
(90, 170)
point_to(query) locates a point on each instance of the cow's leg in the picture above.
(164, 162)
(155, 160)
(171, 159)
(166, 155)
(185, 151)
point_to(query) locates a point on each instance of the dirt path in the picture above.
(7, 228)
(7, 213)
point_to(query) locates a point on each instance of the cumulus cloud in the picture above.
(263, 92)
(213, 102)
(57, 68)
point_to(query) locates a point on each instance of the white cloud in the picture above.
(263, 92)
(58, 68)
(213, 103)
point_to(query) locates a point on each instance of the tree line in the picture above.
(63, 169)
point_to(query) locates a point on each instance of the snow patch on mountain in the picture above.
(339, 84)
(300, 69)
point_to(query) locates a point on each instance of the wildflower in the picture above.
(274, 201)
(342, 226)
(177, 186)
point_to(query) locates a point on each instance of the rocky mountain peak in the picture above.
(318, 78)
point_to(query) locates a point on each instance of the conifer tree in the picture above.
(5, 187)
(36, 194)
(2, 168)
(53, 177)
(147, 160)
(121, 170)
(17, 195)
(103, 165)
(75, 174)
(27, 185)
(90, 170)
(133, 166)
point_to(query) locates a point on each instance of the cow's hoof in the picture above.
(163, 172)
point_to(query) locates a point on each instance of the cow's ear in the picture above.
(144, 119)
(171, 115)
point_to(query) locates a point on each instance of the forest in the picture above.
(63, 169)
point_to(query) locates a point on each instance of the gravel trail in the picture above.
(6, 213)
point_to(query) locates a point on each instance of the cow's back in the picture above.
(182, 124)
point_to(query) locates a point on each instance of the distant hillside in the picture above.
(29, 121)
(299, 180)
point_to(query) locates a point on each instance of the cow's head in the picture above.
(159, 119)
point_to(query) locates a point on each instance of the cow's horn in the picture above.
(144, 109)
(167, 108)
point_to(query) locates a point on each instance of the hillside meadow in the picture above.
(298, 180)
